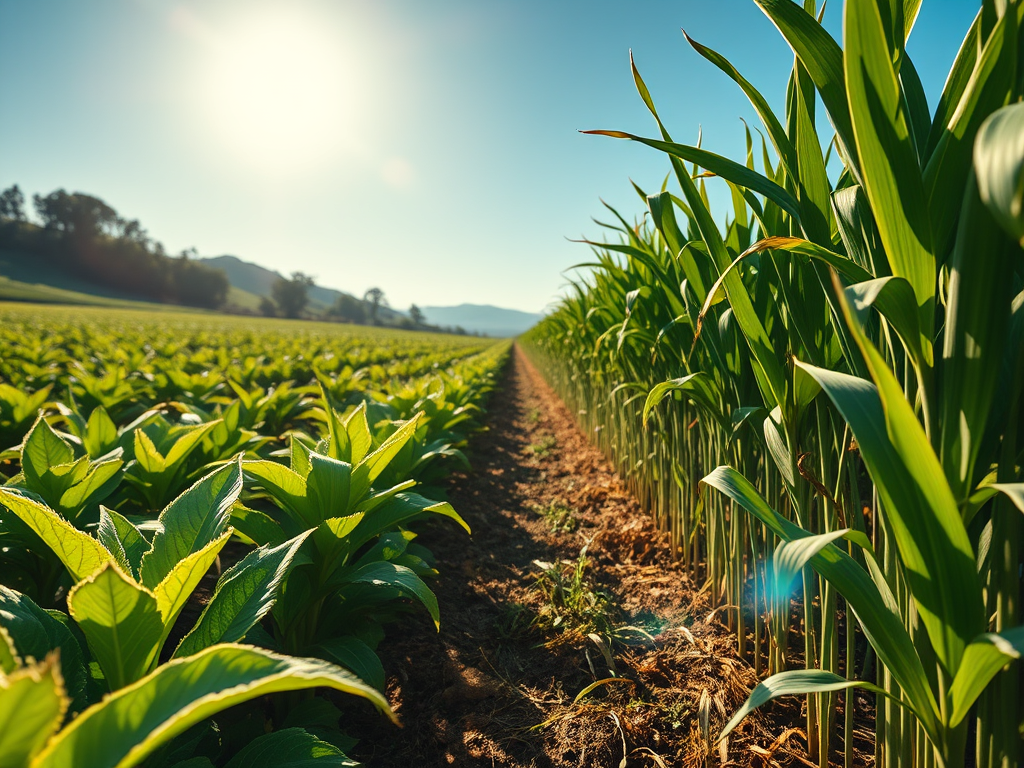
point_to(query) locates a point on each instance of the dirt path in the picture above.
(520, 611)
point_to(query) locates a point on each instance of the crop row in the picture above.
(178, 543)
(823, 400)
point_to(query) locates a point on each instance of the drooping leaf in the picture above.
(125, 728)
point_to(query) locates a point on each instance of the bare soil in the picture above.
(564, 582)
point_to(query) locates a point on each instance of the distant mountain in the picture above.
(482, 318)
(259, 281)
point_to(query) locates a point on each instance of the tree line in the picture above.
(81, 235)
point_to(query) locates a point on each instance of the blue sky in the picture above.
(428, 147)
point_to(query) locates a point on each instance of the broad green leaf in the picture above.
(98, 483)
(35, 633)
(192, 521)
(81, 554)
(888, 160)
(795, 682)
(982, 660)
(127, 726)
(330, 536)
(43, 450)
(329, 486)
(177, 586)
(290, 748)
(244, 595)
(100, 432)
(353, 654)
(121, 621)
(360, 439)
(188, 442)
(387, 574)
(374, 463)
(255, 526)
(122, 539)
(147, 455)
(286, 486)
(32, 705)
(398, 511)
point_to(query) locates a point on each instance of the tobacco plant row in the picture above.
(196, 514)
(822, 401)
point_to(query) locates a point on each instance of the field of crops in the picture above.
(199, 511)
(822, 401)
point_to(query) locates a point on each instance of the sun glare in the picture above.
(280, 93)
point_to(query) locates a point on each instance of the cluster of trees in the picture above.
(82, 235)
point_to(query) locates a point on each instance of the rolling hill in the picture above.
(482, 318)
(259, 281)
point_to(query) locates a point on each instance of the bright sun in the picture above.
(280, 93)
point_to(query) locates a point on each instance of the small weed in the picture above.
(543, 448)
(558, 516)
(571, 604)
(514, 622)
(677, 713)
(533, 417)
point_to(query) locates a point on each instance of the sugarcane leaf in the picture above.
(990, 87)
(937, 556)
(720, 166)
(777, 134)
(699, 387)
(955, 85)
(822, 57)
(895, 300)
(982, 660)
(865, 591)
(795, 682)
(127, 726)
(999, 165)
(890, 173)
(791, 557)
(977, 333)
(771, 379)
